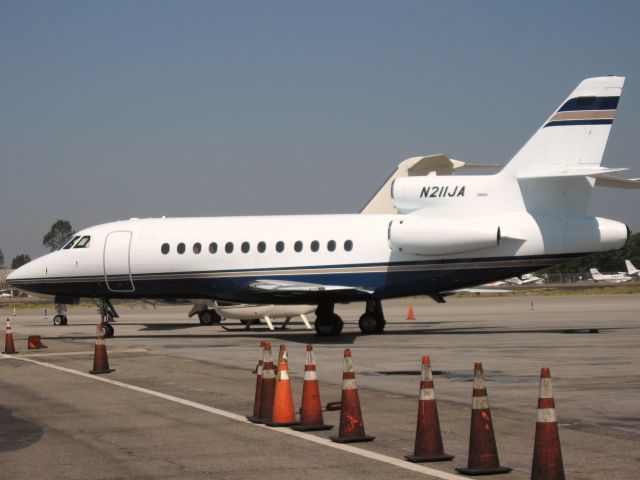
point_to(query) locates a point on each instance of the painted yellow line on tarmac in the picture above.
(396, 462)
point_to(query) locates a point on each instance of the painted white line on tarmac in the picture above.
(88, 352)
(396, 462)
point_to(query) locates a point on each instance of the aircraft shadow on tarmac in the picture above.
(346, 338)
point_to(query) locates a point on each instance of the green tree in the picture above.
(59, 233)
(1, 259)
(20, 260)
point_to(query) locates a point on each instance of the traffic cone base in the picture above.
(258, 394)
(282, 424)
(437, 458)
(363, 438)
(483, 471)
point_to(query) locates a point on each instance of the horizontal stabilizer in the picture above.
(617, 182)
(593, 171)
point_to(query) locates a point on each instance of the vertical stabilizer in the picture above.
(576, 133)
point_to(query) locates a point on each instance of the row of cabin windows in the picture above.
(245, 247)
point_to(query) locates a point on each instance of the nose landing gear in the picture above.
(107, 316)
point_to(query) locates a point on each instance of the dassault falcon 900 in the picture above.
(436, 233)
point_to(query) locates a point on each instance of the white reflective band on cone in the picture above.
(426, 373)
(284, 375)
(349, 384)
(545, 388)
(348, 364)
(547, 415)
(310, 375)
(478, 382)
(427, 394)
(268, 373)
(480, 403)
(260, 369)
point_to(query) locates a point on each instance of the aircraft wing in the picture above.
(280, 287)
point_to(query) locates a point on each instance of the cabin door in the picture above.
(117, 264)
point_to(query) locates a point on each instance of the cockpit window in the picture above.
(70, 243)
(83, 242)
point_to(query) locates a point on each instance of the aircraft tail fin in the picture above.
(576, 134)
(631, 270)
(594, 272)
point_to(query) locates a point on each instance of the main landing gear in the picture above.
(206, 315)
(61, 315)
(372, 320)
(327, 322)
(107, 316)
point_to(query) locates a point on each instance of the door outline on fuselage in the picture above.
(113, 287)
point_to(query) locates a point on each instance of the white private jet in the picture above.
(632, 271)
(445, 233)
(608, 278)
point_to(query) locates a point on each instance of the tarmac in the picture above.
(175, 405)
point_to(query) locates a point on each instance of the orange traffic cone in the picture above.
(483, 452)
(311, 411)
(258, 394)
(351, 424)
(9, 346)
(547, 457)
(35, 343)
(428, 446)
(410, 315)
(284, 414)
(268, 388)
(100, 360)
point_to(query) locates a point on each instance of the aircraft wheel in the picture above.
(368, 323)
(109, 331)
(327, 325)
(380, 324)
(58, 320)
(64, 320)
(205, 317)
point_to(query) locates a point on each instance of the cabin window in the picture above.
(228, 247)
(245, 247)
(348, 245)
(197, 248)
(164, 248)
(262, 247)
(280, 247)
(297, 246)
(213, 247)
(83, 242)
(70, 243)
(181, 248)
(315, 246)
(331, 245)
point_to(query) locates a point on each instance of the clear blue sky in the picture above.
(122, 109)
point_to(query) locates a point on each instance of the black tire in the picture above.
(58, 320)
(368, 323)
(329, 325)
(108, 330)
(64, 320)
(380, 324)
(209, 317)
(205, 317)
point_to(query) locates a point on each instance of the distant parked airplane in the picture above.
(608, 278)
(631, 270)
